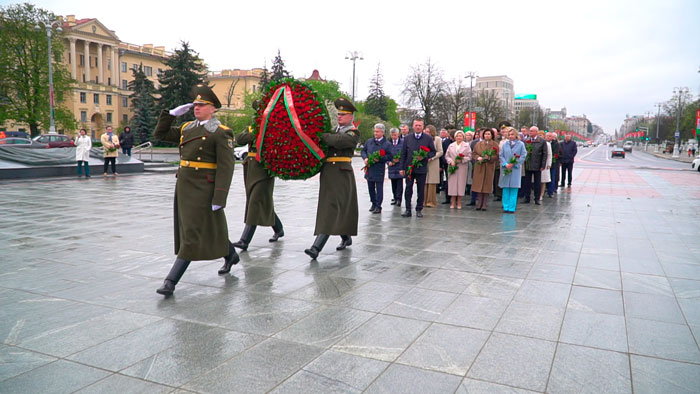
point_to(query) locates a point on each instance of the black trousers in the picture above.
(530, 185)
(419, 179)
(497, 191)
(113, 161)
(444, 183)
(566, 168)
(397, 189)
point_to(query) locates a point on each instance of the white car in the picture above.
(696, 163)
(241, 152)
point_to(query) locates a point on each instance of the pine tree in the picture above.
(264, 78)
(278, 70)
(184, 71)
(144, 120)
(377, 102)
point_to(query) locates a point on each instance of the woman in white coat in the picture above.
(546, 174)
(83, 144)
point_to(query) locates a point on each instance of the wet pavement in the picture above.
(595, 291)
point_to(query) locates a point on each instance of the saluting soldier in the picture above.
(259, 186)
(336, 213)
(203, 181)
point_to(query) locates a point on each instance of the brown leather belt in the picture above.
(197, 164)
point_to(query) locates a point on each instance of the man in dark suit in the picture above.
(554, 170)
(534, 165)
(413, 143)
(446, 141)
(375, 172)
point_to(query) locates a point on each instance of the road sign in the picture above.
(678, 134)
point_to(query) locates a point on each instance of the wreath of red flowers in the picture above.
(288, 128)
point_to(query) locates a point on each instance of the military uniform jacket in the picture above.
(337, 196)
(259, 186)
(200, 233)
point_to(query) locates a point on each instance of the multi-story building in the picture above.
(578, 124)
(502, 86)
(231, 86)
(522, 101)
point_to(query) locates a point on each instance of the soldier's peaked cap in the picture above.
(504, 123)
(344, 106)
(204, 95)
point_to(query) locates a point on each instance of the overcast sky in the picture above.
(604, 59)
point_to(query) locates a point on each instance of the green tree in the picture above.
(184, 71)
(24, 71)
(327, 92)
(239, 120)
(144, 120)
(278, 70)
(377, 103)
(424, 87)
(392, 114)
(264, 78)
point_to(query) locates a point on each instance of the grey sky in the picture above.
(604, 59)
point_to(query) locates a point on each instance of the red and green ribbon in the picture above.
(285, 91)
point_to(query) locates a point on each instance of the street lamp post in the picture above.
(677, 147)
(657, 120)
(471, 75)
(49, 28)
(353, 55)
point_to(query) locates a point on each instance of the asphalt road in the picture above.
(599, 157)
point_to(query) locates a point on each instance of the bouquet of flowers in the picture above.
(487, 154)
(397, 157)
(418, 157)
(528, 148)
(514, 161)
(555, 158)
(373, 158)
(288, 128)
(451, 169)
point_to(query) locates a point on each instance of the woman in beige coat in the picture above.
(433, 178)
(110, 144)
(484, 168)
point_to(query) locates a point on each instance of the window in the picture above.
(124, 84)
(125, 118)
(148, 70)
(125, 102)
(96, 98)
(82, 60)
(83, 77)
(254, 88)
(123, 67)
(83, 98)
(109, 81)
(160, 71)
(96, 62)
(109, 99)
(136, 66)
(89, 61)
(109, 117)
(109, 64)
(83, 116)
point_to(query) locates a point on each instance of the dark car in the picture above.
(55, 140)
(619, 152)
(20, 143)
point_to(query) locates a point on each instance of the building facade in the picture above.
(523, 101)
(231, 86)
(502, 86)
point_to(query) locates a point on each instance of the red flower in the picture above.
(382, 152)
(425, 148)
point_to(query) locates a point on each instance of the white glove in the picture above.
(181, 110)
(215, 207)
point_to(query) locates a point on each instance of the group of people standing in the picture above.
(110, 144)
(502, 162)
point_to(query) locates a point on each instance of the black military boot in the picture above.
(346, 241)
(318, 245)
(407, 214)
(230, 260)
(279, 230)
(176, 272)
(247, 235)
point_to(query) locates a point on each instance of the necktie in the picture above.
(418, 135)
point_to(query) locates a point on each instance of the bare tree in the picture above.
(229, 92)
(454, 102)
(424, 87)
(493, 109)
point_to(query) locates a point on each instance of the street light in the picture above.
(49, 28)
(353, 55)
(680, 92)
(471, 75)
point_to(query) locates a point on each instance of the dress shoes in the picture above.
(398, 203)
(407, 214)
(378, 210)
(344, 243)
(167, 289)
(393, 201)
(230, 260)
(372, 208)
(276, 236)
(537, 202)
(419, 214)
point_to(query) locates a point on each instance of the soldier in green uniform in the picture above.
(259, 186)
(336, 213)
(203, 181)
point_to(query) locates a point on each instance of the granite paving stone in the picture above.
(596, 290)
